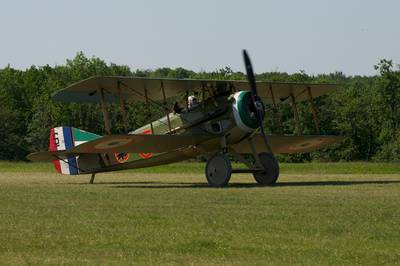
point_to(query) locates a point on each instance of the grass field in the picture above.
(317, 214)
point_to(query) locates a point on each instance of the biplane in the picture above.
(220, 120)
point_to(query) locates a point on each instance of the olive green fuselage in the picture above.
(212, 117)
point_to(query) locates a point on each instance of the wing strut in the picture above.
(276, 112)
(203, 95)
(148, 110)
(165, 106)
(105, 111)
(123, 108)
(313, 110)
(299, 129)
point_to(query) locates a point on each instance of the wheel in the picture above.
(271, 166)
(218, 170)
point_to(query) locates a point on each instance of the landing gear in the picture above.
(271, 169)
(218, 170)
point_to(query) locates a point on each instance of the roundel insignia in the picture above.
(142, 154)
(121, 157)
(114, 143)
(306, 144)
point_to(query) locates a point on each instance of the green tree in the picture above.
(366, 110)
(388, 84)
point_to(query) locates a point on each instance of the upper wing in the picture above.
(123, 143)
(136, 89)
(281, 92)
(287, 144)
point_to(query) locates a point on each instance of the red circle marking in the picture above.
(121, 157)
(142, 154)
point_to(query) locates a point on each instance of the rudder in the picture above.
(65, 138)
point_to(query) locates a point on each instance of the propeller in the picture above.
(260, 112)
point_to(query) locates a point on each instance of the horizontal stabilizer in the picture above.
(287, 144)
(47, 156)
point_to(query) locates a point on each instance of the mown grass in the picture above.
(174, 218)
(198, 167)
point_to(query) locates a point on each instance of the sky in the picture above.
(317, 36)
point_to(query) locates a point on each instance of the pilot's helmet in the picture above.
(192, 101)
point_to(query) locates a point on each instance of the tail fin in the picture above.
(65, 138)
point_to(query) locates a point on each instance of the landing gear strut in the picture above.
(271, 169)
(218, 170)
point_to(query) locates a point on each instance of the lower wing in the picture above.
(123, 143)
(286, 144)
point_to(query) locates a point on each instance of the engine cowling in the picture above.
(244, 111)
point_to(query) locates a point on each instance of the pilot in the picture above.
(192, 101)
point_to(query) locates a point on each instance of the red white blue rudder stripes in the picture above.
(61, 138)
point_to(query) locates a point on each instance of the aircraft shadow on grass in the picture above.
(158, 185)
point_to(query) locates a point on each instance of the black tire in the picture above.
(271, 166)
(218, 170)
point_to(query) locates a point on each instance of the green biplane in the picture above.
(220, 119)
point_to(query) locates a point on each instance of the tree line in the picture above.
(365, 109)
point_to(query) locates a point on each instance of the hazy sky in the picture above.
(318, 36)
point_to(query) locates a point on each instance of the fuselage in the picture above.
(230, 116)
(226, 119)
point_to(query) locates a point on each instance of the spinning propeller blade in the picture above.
(260, 112)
